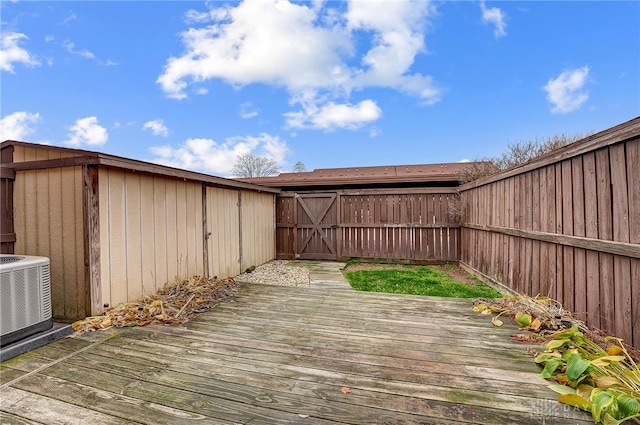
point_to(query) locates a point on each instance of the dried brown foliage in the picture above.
(175, 304)
(551, 317)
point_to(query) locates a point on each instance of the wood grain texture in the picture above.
(323, 354)
(223, 222)
(408, 225)
(575, 232)
(92, 304)
(48, 221)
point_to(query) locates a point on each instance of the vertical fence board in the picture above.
(510, 223)
(551, 228)
(542, 225)
(559, 230)
(591, 231)
(621, 265)
(580, 274)
(605, 231)
(633, 175)
(535, 225)
(568, 294)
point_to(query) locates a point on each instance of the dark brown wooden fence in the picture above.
(411, 225)
(568, 226)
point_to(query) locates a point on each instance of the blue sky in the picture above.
(328, 83)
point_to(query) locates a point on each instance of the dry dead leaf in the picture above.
(535, 325)
(345, 390)
(172, 305)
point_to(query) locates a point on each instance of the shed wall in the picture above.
(223, 224)
(257, 228)
(114, 232)
(150, 233)
(48, 221)
(23, 153)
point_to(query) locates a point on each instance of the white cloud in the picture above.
(208, 156)
(248, 110)
(87, 131)
(565, 91)
(157, 127)
(70, 17)
(194, 16)
(11, 52)
(309, 49)
(331, 116)
(257, 42)
(18, 126)
(397, 36)
(495, 16)
(70, 46)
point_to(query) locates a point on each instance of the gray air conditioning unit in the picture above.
(25, 297)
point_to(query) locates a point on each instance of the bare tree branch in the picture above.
(517, 153)
(249, 165)
(299, 167)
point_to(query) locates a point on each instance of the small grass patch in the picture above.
(417, 280)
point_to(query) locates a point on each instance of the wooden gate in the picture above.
(407, 225)
(316, 226)
(307, 226)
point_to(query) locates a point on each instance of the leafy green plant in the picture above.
(604, 382)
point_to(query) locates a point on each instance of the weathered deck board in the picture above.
(323, 354)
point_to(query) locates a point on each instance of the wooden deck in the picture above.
(323, 354)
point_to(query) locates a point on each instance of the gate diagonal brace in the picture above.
(317, 227)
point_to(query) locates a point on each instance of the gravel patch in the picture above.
(277, 272)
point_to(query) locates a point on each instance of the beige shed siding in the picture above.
(258, 232)
(48, 222)
(37, 153)
(151, 233)
(223, 223)
(150, 228)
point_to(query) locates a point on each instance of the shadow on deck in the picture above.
(323, 354)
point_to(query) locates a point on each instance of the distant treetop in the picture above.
(517, 154)
(249, 165)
